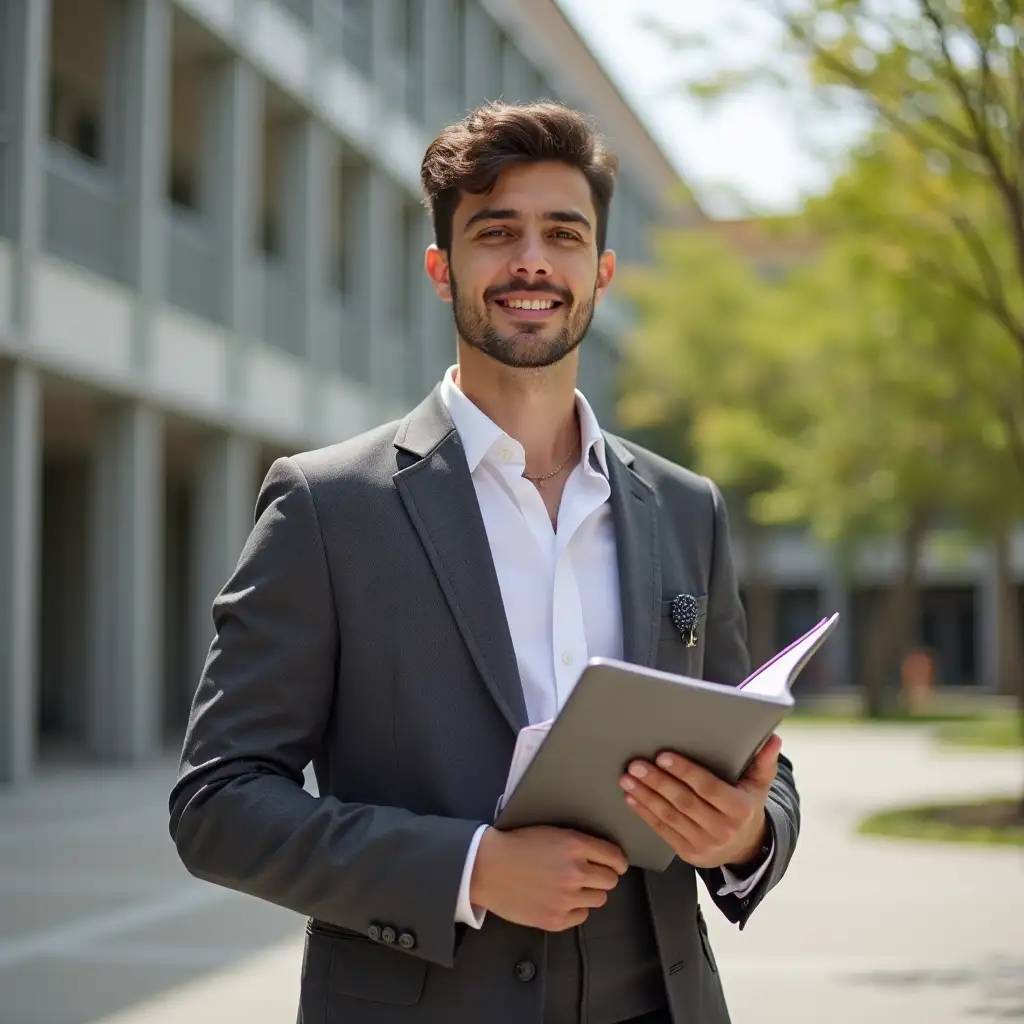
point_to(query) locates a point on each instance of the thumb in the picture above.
(761, 772)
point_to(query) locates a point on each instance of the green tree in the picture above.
(853, 396)
(942, 82)
(697, 377)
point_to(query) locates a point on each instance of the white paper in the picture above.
(775, 677)
(527, 744)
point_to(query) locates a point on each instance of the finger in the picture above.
(763, 768)
(679, 841)
(597, 876)
(726, 799)
(680, 796)
(671, 820)
(591, 898)
(599, 851)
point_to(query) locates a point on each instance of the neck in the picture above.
(535, 406)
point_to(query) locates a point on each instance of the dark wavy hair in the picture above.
(468, 156)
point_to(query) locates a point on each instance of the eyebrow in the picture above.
(559, 216)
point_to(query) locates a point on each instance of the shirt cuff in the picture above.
(465, 912)
(735, 886)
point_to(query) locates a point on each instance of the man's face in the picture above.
(529, 243)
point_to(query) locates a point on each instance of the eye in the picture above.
(565, 234)
(494, 233)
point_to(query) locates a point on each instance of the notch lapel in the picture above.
(438, 493)
(635, 513)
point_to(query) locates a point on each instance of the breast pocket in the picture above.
(681, 635)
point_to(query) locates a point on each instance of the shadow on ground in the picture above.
(996, 986)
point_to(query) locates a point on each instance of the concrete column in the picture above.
(838, 650)
(383, 257)
(146, 122)
(231, 186)
(308, 162)
(442, 102)
(515, 75)
(126, 579)
(482, 57)
(28, 53)
(225, 487)
(388, 62)
(988, 610)
(434, 332)
(20, 462)
(307, 239)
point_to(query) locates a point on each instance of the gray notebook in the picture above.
(618, 712)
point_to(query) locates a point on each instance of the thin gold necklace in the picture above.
(541, 480)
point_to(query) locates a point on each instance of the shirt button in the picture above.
(567, 658)
(506, 455)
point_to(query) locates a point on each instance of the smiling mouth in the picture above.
(529, 305)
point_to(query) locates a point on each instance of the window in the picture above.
(79, 62)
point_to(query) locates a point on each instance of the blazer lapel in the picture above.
(639, 555)
(437, 489)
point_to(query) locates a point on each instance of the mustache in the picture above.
(500, 291)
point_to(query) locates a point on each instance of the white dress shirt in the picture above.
(559, 586)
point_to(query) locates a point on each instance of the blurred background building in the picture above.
(211, 245)
(211, 239)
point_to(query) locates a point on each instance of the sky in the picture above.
(742, 157)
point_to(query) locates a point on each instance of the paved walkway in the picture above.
(99, 924)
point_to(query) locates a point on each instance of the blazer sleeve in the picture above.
(239, 815)
(727, 660)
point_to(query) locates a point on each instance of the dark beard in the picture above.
(525, 348)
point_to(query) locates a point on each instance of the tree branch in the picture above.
(986, 264)
(943, 271)
(859, 82)
(986, 149)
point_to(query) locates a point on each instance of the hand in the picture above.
(708, 822)
(547, 878)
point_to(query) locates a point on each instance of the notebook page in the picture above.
(773, 679)
(527, 744)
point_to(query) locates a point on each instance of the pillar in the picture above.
(20, 461)
(146, 71)
(988, 610)
(231, 186)
(481, 56)
(434, 330)
(225, 496)
(442, 102)
(28, 53)
(384, 257)
(838, 650)
(126, 580)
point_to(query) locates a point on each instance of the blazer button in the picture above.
(374, 932)
(387, 933)
(525, 970)
(407, 940)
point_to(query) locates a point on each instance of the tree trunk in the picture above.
(895, 624)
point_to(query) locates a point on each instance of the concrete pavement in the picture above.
(99, 923)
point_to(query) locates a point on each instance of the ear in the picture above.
(605, 272)
(435, 262)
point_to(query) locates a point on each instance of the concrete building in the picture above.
(211, 239)
(210, 249)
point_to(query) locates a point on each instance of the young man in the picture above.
(411, 598)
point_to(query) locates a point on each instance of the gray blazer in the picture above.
(363, 631)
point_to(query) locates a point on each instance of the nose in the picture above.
(530, 261)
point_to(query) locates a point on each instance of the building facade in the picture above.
(211, 244)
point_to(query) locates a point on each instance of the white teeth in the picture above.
(529, 304)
